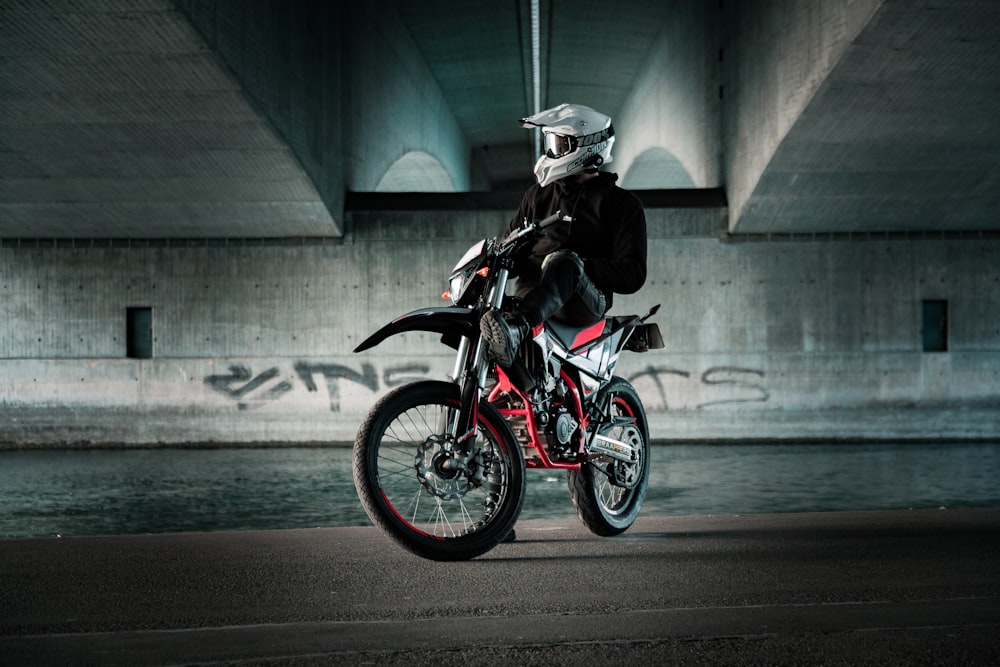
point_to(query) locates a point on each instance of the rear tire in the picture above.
(607, 508)
(427, 509)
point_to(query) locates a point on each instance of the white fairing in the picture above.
(597, 362)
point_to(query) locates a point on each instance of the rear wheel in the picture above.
(606, 492)
(413, 486)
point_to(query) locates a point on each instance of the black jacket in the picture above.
(608, 232)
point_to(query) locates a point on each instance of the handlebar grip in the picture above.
(554, 218)
(528, 228)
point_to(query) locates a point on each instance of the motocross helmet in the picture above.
(575, 138)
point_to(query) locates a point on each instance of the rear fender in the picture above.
(451, 322)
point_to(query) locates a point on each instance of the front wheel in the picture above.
(414, 487)
(608, 493)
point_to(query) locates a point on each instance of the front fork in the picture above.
(471, 370)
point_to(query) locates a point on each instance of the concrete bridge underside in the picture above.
(233, 119)
(820, 180)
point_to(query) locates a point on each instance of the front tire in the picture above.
(402, 474)
(607, 493)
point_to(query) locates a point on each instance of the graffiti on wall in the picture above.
(745, 385)
(336, 374)
(660, 386)
(251, 391)
(664, 386)
(247, 389)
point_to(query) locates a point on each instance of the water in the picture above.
(117, 492)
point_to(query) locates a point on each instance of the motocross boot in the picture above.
(503, 335)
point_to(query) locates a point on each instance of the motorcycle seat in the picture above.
(644, 338)
(572, 336)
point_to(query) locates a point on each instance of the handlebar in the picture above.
(531, 227)
(552, 219)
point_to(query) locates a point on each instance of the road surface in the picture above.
(900, 587)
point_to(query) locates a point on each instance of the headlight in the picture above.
(464, 272)
(459, 282)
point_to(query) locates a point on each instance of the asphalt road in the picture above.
(903, 587)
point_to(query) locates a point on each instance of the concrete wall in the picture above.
(780, 337)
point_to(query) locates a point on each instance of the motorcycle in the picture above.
(440, 466)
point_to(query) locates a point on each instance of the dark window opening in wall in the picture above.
(139, 333)
(934, 329)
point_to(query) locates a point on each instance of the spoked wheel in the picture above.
(606, 492)
(415, 487)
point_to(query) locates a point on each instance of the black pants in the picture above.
(564, 292)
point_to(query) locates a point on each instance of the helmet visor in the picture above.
(558, 145)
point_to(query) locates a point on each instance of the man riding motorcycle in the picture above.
(440, 466)
(571, 272)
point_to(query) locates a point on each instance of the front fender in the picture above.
(451, 322)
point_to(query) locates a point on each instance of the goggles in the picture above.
(558, 145)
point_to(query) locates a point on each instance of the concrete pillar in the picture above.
(343, 84)
(669, 126)
(775, 55)
(395, 105)
(287, 56)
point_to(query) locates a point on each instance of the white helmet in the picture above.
(575, 138)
